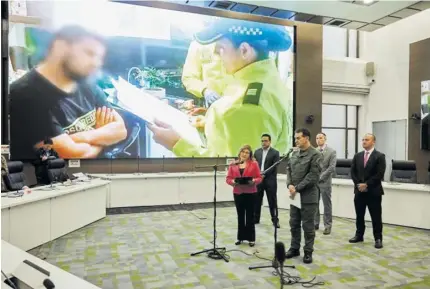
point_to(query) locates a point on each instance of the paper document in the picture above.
(296, 202)
(149, 108)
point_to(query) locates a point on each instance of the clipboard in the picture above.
(243, 180)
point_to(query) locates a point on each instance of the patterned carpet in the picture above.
(152, 250)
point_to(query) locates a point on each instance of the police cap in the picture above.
(277, 36)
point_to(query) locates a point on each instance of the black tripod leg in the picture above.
(207, 250)
(260, 267)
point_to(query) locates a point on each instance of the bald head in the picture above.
(368, 141)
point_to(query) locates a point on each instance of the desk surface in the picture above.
(43, 193)
(157, 175)
(11, 257)
(221, 174)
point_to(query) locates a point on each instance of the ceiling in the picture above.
(363, 15)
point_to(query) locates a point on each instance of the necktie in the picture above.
(366, 158)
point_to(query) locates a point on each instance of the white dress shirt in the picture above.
(263, 159)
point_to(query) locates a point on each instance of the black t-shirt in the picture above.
(40, 110)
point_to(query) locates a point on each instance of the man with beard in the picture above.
(55, 100)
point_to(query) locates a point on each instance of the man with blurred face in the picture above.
(367, 173)
(303, 174)
(56, 101)
(328, 166)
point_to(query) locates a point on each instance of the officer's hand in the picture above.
(292, 189)
(210, 96)
(164, 134)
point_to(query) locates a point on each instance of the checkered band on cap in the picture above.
(245, 30)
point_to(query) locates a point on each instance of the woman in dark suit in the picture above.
(245, 195)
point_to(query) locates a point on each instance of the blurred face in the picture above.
(82, 58)
(321, 139)
(368, 142)
(265, 142)
(47, 147)
(234, 59)
(244, 155)
(301, 141)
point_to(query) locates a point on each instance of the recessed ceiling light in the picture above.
(368, 2)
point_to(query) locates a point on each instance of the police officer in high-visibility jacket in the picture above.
(256, 102)
(203, 74)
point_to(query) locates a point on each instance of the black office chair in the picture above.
(343, 168)
(403, 172)
(15, 180)
(57, 171)
(429, 173)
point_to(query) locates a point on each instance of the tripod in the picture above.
(275, 263)
(214, 253)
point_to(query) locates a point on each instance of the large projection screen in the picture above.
(146, 82)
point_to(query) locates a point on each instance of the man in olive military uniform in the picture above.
(256, 102)
(303, 173)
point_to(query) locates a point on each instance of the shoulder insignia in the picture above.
(252, 94)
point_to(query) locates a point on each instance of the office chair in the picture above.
(15, 180)
(343, 168)
(429, 173)
(57, 171)
(403, 172)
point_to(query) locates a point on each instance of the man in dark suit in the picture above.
(367, 173)
(266, 156)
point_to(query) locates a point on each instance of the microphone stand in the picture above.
(138, 165)
(274, 264)
(111, 172)
(214, 253)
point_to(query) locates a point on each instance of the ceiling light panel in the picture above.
(320, 20)
(283, 14)
(371, 27)
(244, 8)
(303, 17)
(264, 11)
(405, 13)
(423, 5)
(354, 25)
(387, 20)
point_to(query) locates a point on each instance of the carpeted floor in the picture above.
(152, 250)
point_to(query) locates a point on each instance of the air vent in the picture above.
(222, 4)
(337, 22)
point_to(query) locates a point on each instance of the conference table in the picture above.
(50, 212)
(12, 258)
(403, 204)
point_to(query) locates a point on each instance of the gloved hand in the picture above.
(210, 96)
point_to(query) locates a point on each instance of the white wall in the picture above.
(345, 83)
(388, 47)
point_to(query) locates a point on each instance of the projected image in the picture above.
(143, 82)
(425, 115)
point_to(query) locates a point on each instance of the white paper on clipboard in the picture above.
(296, 202)
(149, 108)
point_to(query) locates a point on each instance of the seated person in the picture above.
(4, 173)
(43, 154)
(46, 152)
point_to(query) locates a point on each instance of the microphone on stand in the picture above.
(48, 284)
(280, 257)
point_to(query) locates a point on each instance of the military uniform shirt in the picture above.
(303, 172)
